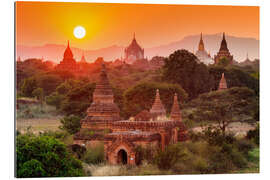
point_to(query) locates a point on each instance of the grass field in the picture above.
(38, 124)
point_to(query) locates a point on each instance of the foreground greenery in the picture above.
(44, 156)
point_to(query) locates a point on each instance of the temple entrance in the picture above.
(122, 157)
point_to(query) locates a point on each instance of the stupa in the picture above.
(222, 83)
(157, 108)
(175, 112)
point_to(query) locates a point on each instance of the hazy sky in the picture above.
(39, 23)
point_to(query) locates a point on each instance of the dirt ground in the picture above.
(38, 124)
(237, 128)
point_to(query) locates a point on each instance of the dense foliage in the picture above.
(71, 124)
(142, 96)
(44, 156)
(183, 68)
(226, 106)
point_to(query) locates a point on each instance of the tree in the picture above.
(225, 106)
(78, 99)
(48, 82)
(38, 93)
(224, 62)
(28, 86)
(44, 156)
(183, 68)
(141, 97)
(71, 124)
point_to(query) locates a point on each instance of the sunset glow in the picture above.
(39, 23)
(79, 32)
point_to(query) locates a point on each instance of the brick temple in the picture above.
(103, 124)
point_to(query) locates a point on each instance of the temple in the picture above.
(103, 124)
(223, 52)
(202, 55)
(133, 52)
(157, 108)
(222, 83)
(68, 63)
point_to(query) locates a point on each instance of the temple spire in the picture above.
(222, 83)
(68, 44)
(175, 112)
(157, 108)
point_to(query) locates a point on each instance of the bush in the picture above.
(44, 156)
(166, 159)
(254, 135)
(244, 146)
(94, 155)
(71, 124)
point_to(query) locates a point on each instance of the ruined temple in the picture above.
(121, 137)
(222, 83)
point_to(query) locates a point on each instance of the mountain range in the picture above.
(238, 46)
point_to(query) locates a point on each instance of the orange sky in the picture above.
(39, 23)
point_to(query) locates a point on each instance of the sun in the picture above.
(79, 32)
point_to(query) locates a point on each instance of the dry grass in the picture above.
(123, 170)
(38, 124)
(237, 128)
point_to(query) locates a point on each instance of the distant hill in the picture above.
(238, 46)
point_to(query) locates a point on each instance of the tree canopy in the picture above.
(183, 68)
(44, 156)
(142, 96)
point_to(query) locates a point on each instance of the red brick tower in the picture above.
(175, 112)
(222, 83)
(157, 108)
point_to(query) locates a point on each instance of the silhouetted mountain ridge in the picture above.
(238, 46)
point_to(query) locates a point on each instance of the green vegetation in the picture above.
(226, 106)
(182, 67)
(44, 156)
(71, 124)
(142, 96)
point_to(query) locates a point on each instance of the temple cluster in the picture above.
(121, 137)
(206, 58)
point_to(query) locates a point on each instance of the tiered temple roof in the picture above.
(103, 108)
(223, 52)
(222, 83)
(68, 62)
(157, 108)
(175, 112)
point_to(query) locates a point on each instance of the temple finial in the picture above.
(68, 43)
(224, 35)
(134, 35)
(201, 35)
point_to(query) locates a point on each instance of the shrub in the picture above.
(44, 156)
(166, 159)
(244, 146)
(71, 124)
(94, 155)
(254, 135)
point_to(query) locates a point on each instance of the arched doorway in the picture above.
(122, 157)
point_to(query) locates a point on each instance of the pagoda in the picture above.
(222, 83)
(103, 110)
(175, 112)
(223, 52)
(202, 55)
(133, 52)
(68, 63)
(157, 108)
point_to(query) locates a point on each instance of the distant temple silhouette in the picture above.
(223, 52)
(133, 52)
(202, 55)
(68, 63)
